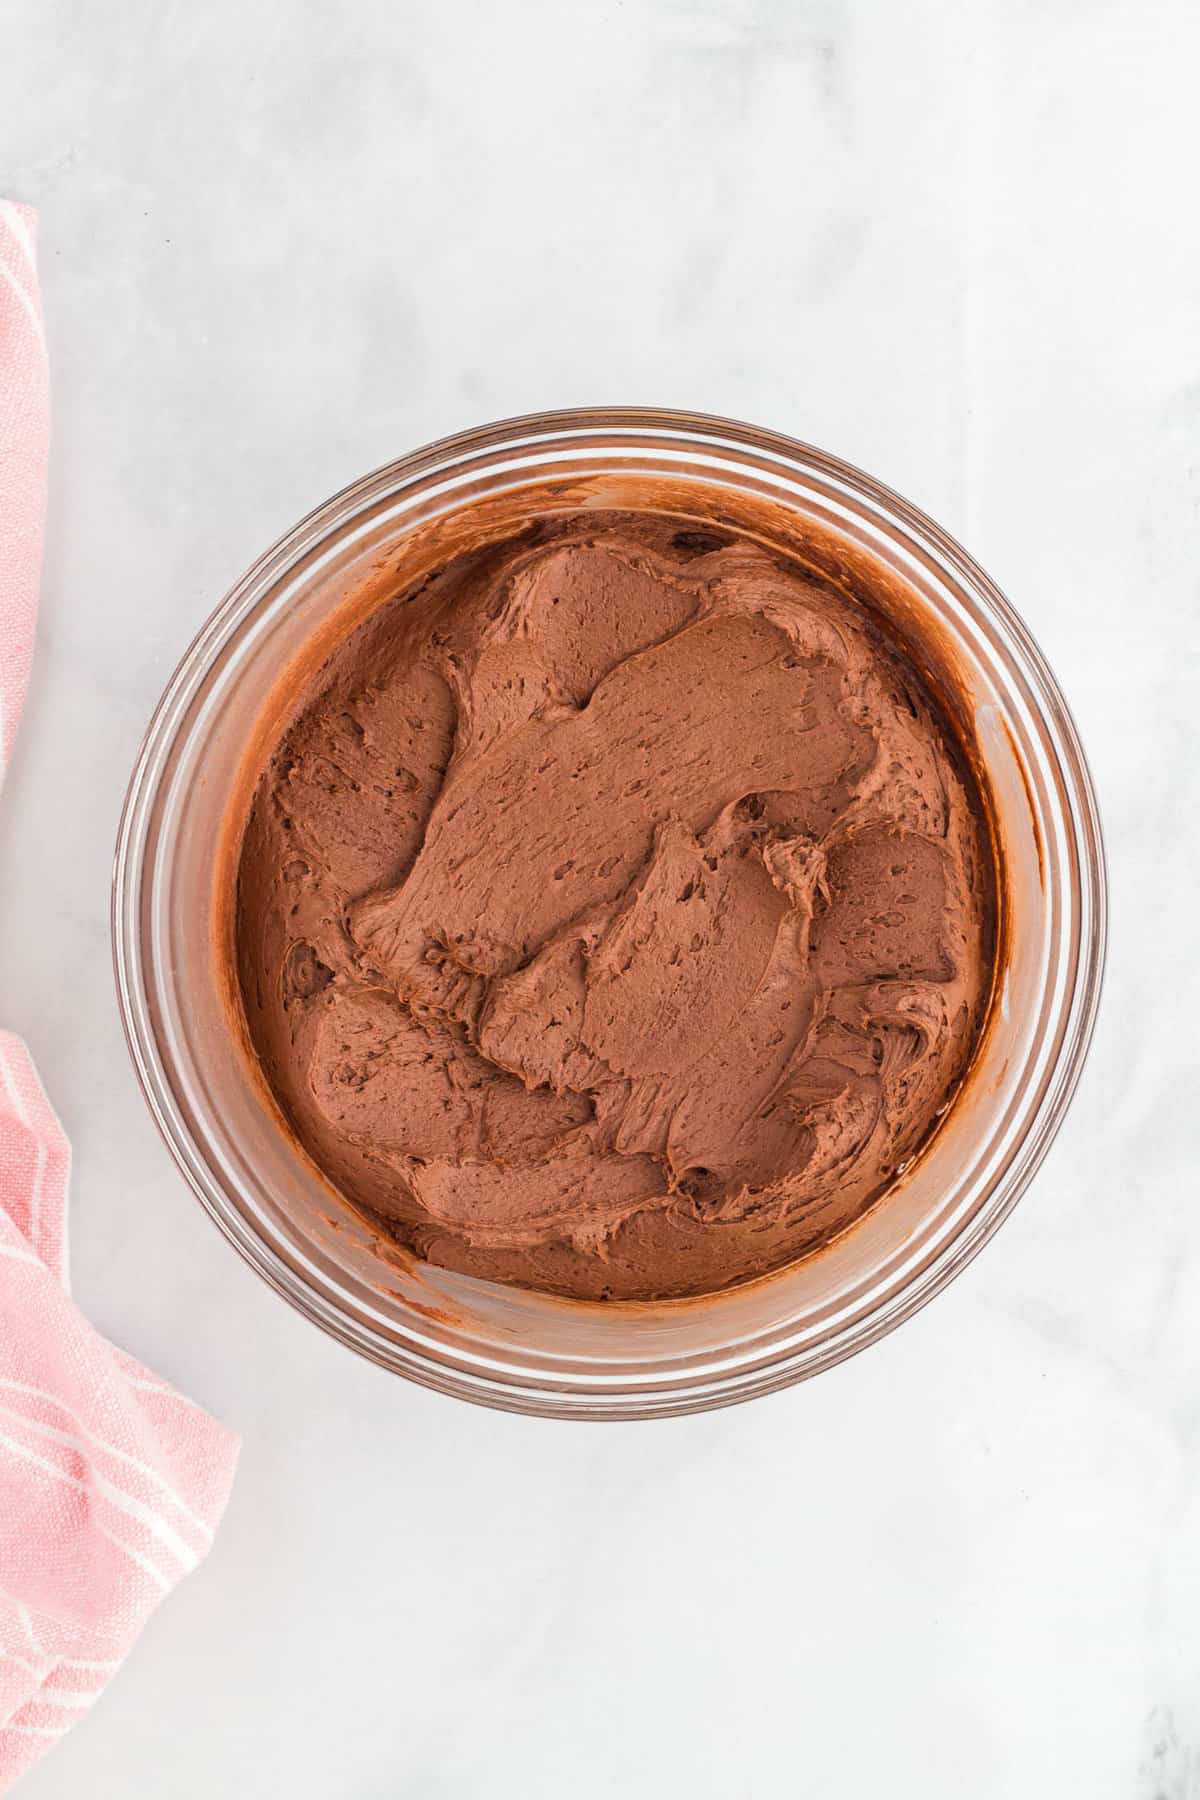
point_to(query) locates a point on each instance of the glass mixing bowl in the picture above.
(532, 1352)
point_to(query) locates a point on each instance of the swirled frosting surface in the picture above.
(615, 913)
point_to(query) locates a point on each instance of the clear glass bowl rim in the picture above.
(641, 429)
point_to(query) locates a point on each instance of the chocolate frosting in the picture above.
(615, 913)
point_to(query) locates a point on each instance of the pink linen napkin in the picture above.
(111, 1483)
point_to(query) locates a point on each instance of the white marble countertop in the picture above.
(955, 244)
